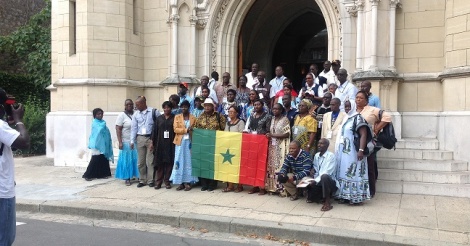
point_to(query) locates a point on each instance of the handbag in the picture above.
(370, 144)
(386, 136)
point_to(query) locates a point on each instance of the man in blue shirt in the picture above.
(141, 129)
(183, 93)
(373, 99)
(296, 166)
(324, 184)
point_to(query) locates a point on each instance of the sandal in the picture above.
(262, 192)
(254, 190)
(228, 189)
(325, 208)
(168, 186)
(239, 189)
(294, 197)
(187, 187)
(180, 187)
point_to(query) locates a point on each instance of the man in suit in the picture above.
(332, 123)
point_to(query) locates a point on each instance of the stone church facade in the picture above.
(415, 52)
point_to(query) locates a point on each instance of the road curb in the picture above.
(320, 235)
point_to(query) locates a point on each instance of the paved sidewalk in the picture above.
(388, 219)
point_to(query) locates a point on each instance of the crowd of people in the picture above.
(317, 136)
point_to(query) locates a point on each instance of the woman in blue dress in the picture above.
(182, 168)
(127, 161)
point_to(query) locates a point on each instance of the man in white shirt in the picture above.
(252, 77)
(276, 84)
(327, 72)
(214, 80)
(9, 137)
(324, 184)
(205, 82)
(346, 90)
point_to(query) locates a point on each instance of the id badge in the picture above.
(261, 96)
(320, 123)
(144, 131)
(296, 130)
(186, 136)
(166, 134)
(254, 132)
(329, 134)
(273, 141)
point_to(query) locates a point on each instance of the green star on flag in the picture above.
(227, 156)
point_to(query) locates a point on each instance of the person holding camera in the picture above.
(9, 138)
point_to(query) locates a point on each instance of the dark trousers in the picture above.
(208, 183)
(326, 186)
(163, 173)
(372, 173)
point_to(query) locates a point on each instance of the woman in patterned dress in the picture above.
(352, 169)
(279, 140)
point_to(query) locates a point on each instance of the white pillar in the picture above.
(373, 39)
(192, 65)
(174, 41)
(359, 35)
(393, 8)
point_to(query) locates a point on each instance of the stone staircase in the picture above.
(417, 166)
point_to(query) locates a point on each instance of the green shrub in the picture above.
(35, 122)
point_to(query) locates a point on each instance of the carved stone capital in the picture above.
(193, 19)
(352, 10)
(374, 2)
(395, 3)
(359, 5)
(201, 23)
(173, 18)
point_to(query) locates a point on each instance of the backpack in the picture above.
(370, 144)
(386, 137)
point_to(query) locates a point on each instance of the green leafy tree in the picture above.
(30, 47)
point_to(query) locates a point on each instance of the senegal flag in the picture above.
(229, 156)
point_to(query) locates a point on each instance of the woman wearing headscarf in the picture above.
(279, 140)
(127, 160)
(101, 148)
(305, 126)
(182, 168)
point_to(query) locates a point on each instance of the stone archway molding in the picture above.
(227, 20)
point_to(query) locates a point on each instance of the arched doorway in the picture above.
(287, 33)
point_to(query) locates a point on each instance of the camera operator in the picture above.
(9, 138)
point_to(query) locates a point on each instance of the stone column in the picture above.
(174, 17)
(192, 69)
(393, 8)
(359, 34)
(373, 40)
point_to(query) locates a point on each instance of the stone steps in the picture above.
(462, 177)
(418, 154)
(418, 143)
(417, 166)
(423, 165)
(422, 188)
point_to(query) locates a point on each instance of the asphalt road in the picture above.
(38, 232)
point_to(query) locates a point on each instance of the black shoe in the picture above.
(210, 189)
(203, 188)
(140, 185)
(88, 179)
(151, 185)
